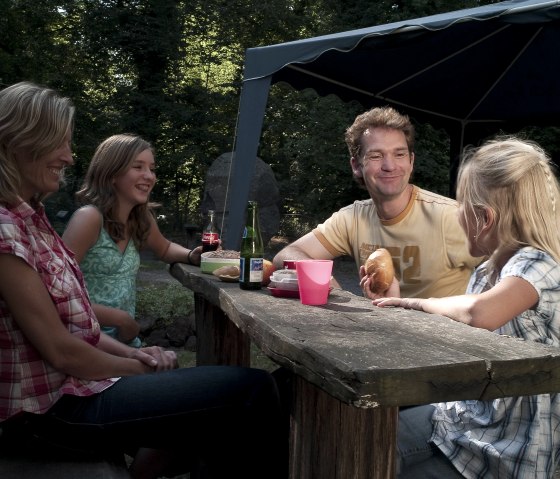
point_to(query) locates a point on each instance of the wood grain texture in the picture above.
(219, 341)
(333, 440)
(354, 364)
(368, 356)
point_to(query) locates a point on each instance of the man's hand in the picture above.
(365, 283)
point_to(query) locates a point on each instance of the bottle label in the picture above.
(255, 272)
(210, 237)
(248, 232)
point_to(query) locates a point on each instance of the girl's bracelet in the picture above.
(189, 257)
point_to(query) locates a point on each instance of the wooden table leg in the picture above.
(218, 340)
(333, 440)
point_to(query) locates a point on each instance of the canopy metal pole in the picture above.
(252, 105)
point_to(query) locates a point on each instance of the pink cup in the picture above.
(314, 277)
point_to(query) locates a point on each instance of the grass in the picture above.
(164, 301)
(187, 359)
(259, 360)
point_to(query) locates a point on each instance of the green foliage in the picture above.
(304, 146)
(171, 71)
(431, 164)
(164, 301)
(187, 359)
(548, 137)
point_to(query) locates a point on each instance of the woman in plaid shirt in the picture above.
(510, 204)
(64, 380)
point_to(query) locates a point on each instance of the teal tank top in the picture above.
(111, 276)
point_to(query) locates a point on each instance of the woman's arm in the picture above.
(33, 310)
(306, 247)
(168, 251)
(489, 310)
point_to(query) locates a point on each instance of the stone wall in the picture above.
(264, 190)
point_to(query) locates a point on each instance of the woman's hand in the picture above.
(158, 359)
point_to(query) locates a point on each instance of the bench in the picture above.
(32, 461)
(29, 467)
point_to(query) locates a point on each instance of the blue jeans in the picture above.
(227, 417)
(417, 458)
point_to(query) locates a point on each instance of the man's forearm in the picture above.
(289, 252)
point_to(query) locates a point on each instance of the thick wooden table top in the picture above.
(368, 356)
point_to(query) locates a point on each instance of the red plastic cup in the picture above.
(314, 276)
(290, 263)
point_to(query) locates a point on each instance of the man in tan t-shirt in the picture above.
(419, 228)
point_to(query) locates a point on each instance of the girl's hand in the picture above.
(194, 256)
(408, 303)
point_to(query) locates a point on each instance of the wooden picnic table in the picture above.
(355, 364)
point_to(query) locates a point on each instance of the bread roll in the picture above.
(232, 271)
(379, 266)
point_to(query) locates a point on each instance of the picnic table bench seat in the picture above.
(35, 460)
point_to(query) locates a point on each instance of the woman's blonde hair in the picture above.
(35, 121)
(515, 180)
(112, 158)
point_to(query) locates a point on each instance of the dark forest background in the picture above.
(171, 71)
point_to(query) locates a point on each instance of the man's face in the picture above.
(384, 163)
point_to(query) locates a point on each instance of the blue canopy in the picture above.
(469, 71)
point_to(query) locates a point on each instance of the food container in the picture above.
(212, 260)
(284, 284)
(285, 279)
(284, 293)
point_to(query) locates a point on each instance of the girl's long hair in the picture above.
(513, 178)
(112, 158)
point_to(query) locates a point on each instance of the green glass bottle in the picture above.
(252, 251)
